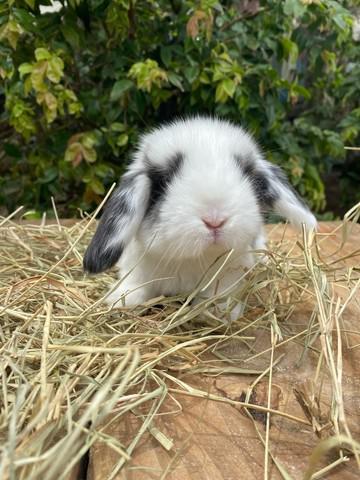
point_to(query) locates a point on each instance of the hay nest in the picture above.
(68, 360)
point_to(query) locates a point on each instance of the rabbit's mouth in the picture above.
(216, 237)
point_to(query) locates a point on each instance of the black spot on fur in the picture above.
(98, 257)
(264, 183)
(120, 202)
(98, 260)
(264, 190)
(160, 178)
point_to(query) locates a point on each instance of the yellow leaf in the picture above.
(74, 153)
(55, 69)
(11, 32)
(49, 104)
(25, 68)
(42, 54)
(38, 76)
(27, 86)
(198, 20)
(89, 154)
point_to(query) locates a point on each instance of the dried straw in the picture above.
(68, 361)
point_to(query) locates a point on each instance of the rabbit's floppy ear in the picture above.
(119, 222)
(275, 193)
(289, 204)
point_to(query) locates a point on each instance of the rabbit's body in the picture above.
(156, 275)
(196, 189)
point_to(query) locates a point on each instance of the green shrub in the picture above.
(80, 84)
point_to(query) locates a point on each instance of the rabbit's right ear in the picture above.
(119, 222)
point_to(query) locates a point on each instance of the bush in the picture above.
(81, 83)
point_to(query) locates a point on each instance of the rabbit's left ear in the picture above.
(275, 193)
(119, 222)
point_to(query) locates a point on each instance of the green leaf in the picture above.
(165, 55)
(49, 176)
(117, 127)
(294, 7)
(26, 19)
(291, 50)
(225, 89)
(340, 22)
(119, 88)
(300, 90)
(102, 170)
(97, 186)
(218, 74)
(220, 94)
(71, 35)
(32, 215)
(42, 54)
(25, 68)
(31, 3)
(229, 87)
(175, 80)
(191, 73)
(122, 140)
(204, 78)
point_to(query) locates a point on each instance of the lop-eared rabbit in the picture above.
(195, 189)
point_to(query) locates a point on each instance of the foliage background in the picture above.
(80, 84)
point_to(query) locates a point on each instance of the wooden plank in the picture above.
(76, 473)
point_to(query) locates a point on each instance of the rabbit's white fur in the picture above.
(182, 174)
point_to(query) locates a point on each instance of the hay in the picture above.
(68, 360)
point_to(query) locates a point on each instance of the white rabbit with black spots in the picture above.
(195, 189)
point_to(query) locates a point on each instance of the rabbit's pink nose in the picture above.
(214, 224)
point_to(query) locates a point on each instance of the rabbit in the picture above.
(196, 189)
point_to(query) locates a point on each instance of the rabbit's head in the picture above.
(195, 186)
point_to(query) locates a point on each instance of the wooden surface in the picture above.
(217, 441)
